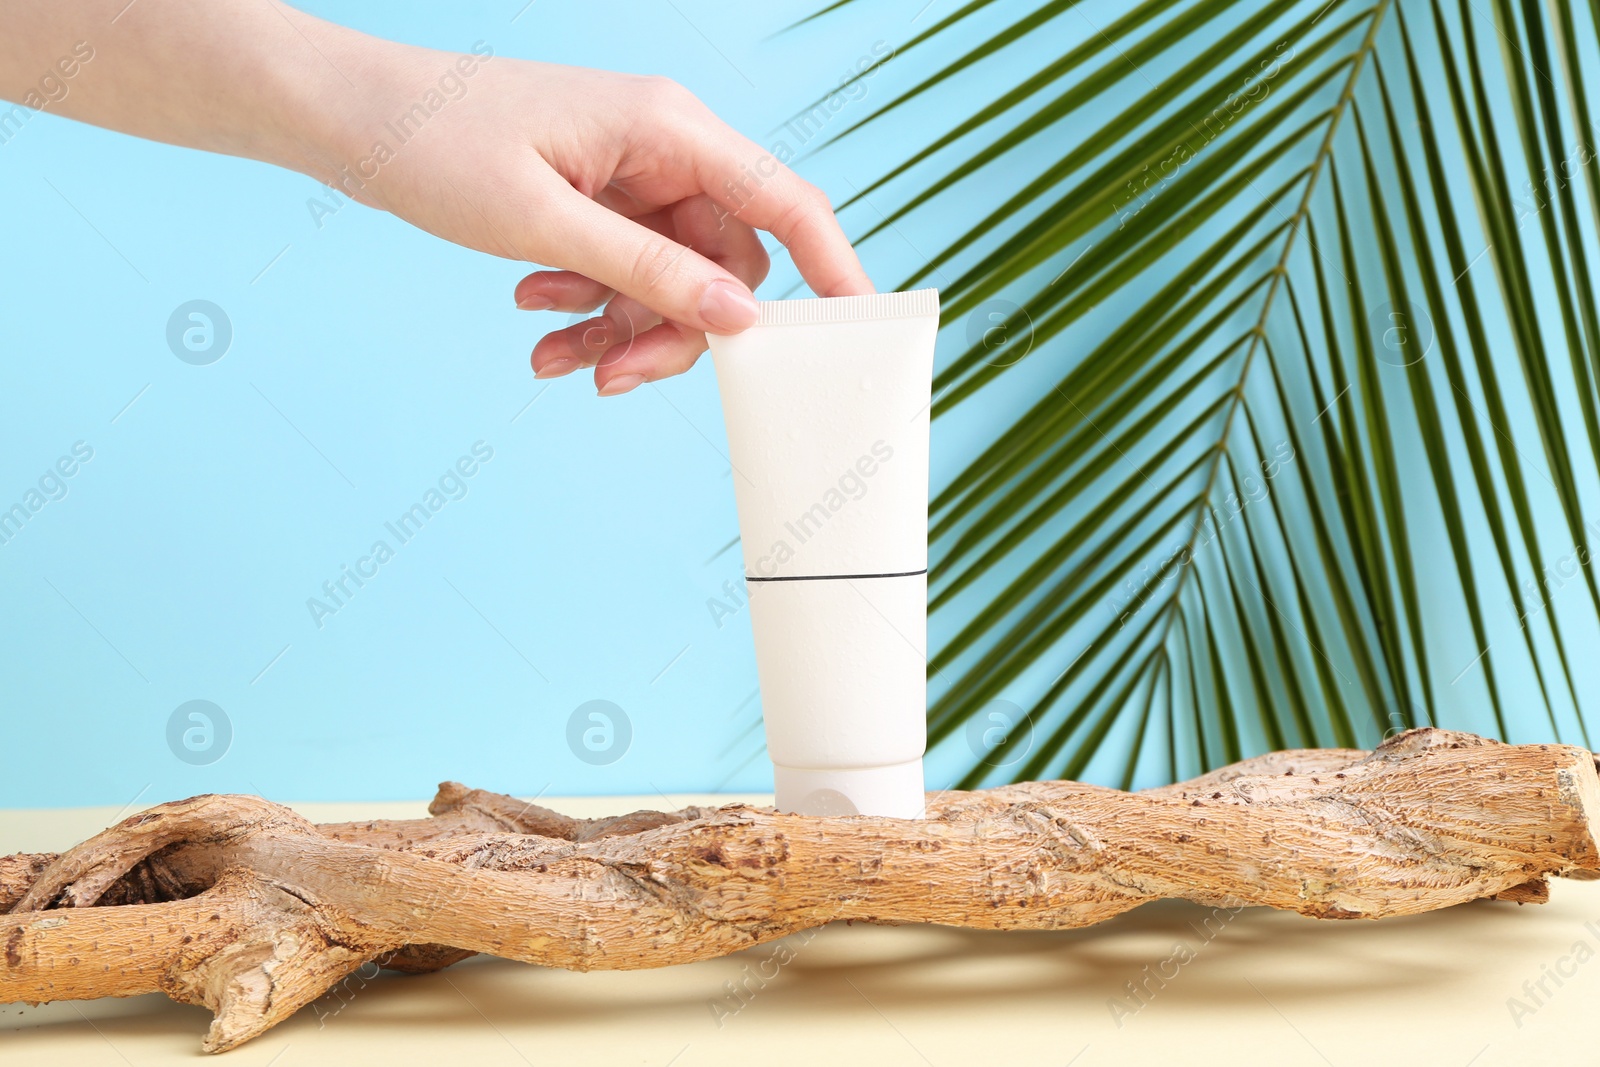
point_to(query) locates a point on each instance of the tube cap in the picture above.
(895, 791)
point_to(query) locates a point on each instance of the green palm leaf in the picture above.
(1310, 417)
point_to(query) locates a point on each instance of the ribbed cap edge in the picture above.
(849, 308)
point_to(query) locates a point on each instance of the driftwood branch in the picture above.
(245, 907)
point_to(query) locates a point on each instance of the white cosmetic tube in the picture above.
(826, 403)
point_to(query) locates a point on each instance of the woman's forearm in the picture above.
(245, 77)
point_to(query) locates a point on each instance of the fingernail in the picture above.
(621, 384)
(535, 302)
(727, 307)
(557, 367)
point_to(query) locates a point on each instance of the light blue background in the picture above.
(366, 357)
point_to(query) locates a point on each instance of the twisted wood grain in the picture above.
(243, 906)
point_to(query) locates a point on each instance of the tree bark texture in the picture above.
(243, 906)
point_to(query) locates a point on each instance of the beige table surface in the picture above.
(1265, 988)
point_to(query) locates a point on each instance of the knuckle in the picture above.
(821, 203)
(663, 93)
(795, 214)
(653, 265)
(815, 196)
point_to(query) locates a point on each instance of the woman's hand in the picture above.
(642, 198)
(646, 202)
